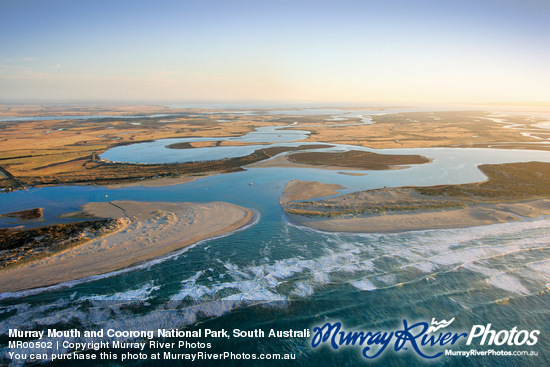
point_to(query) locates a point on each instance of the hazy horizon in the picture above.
(312, 52)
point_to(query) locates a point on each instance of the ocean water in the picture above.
(276, 275)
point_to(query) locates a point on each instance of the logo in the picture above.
(439, 325)
(419, 337)
(511, 337)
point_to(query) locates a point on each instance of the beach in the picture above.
(146, 231)
(422, 220)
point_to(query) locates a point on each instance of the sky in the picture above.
(345, 51)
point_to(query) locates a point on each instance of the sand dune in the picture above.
(147, 231)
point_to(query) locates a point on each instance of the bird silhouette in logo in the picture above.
(439, 325)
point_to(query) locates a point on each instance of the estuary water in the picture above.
(276, 275)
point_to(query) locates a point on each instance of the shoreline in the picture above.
(304, 190)
(148, 231)
(158, 182)
(480, 215)
(512, 192)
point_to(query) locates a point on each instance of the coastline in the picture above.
(512, 192)
(480, 215)
(148, 231)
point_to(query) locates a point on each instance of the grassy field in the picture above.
(431, 129)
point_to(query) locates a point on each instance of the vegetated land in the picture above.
(510, 182)
(436, 129)
(63, 151)
(356, 159)
(21, 246)
(27, 214)
(46, 152)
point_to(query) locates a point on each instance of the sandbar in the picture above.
(147, 231)
(303, 190)
(352, 174)
(158, 182)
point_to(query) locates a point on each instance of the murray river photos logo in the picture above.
(418, 337)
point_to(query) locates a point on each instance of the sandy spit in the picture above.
(148, 231)
(159, 182)
(478, 215)
(304, 190)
